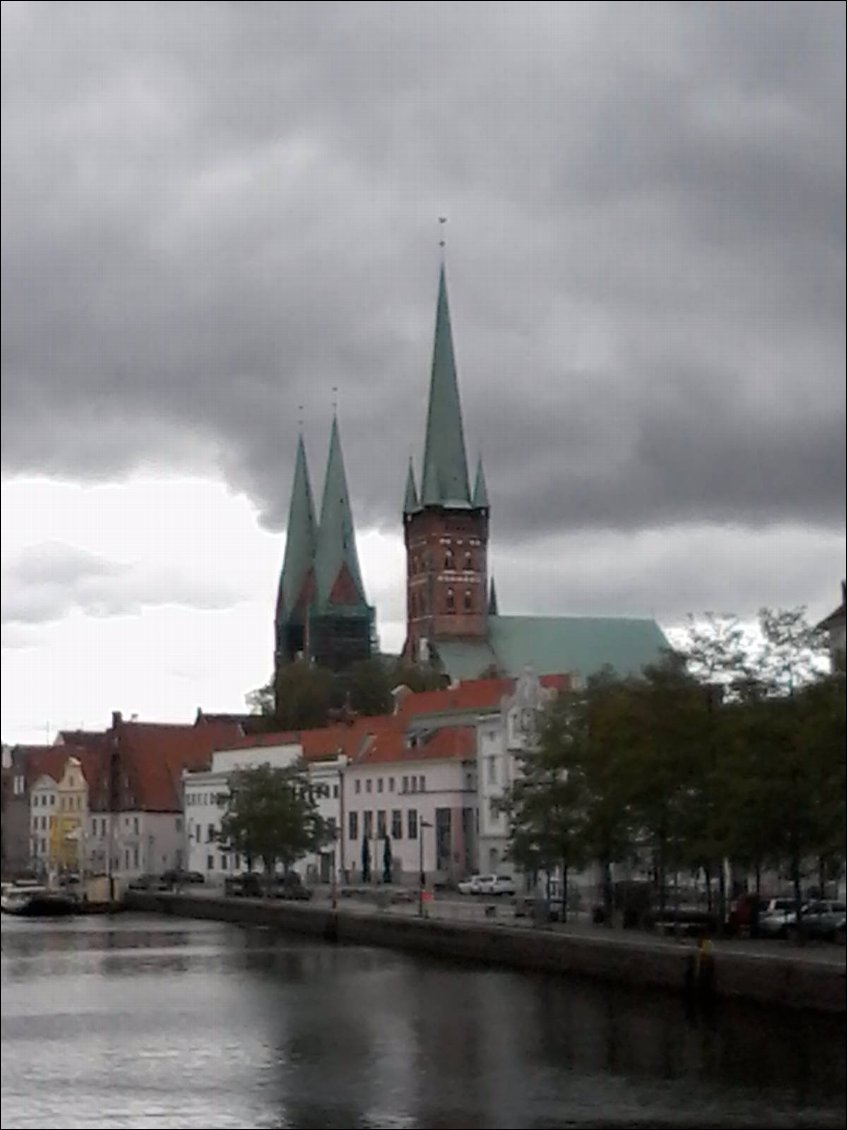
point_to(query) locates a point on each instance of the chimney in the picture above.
(117, 718)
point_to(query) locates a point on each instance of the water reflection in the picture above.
(135, 1023)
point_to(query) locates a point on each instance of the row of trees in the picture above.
(733, 748)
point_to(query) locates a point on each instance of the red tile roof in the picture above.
(153, 756)
(471, 695)
(50, 761)
(445, 744)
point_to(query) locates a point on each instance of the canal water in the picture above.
(144, 1022)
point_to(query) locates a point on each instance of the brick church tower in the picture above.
(446, 526)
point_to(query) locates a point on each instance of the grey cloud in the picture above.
(45, 583)
(214, 213)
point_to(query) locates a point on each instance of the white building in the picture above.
(502, 739)
(206, 794)
(419, 789)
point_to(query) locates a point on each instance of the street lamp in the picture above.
(422, 824)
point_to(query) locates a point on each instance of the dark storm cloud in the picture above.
(213, 213)
(47, 582)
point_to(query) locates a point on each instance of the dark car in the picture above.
(249, 885)
(149, 883)
(290, 886)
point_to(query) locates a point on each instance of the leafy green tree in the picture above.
(546, 804)
(271, 815)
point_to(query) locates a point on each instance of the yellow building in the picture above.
(67, 828)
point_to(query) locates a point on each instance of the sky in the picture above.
(220, 219)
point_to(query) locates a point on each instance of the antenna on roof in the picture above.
(442, 220)
(334, 400)
(300, 417)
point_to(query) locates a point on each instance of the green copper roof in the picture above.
(300, 538)
(480, 491)
(556, 645)
(410, 502)
(445, 466)
(336, 543)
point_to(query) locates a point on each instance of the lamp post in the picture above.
(423, 824)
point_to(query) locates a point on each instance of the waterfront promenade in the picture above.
(775, 973)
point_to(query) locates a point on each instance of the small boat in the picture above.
(37, 902)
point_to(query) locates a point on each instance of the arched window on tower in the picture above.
(451, 601)
(448, 558)
(468, 600)
(468, 560)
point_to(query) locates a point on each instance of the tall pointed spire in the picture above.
(445, 467)
(492, 600)
(337, 575)
(300, 538)
(410, 502)
(480, 490)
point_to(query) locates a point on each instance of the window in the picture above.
(391, 784)
(199, 832)
(18, 785)
(210, 833)
(332, 828)
(126, 859)
(397, 824)
(380, 824)
(448, 559)
(412, 823)
(422, 784)
(210, 863)
(468, 560)
(52, 799)
(353, 821)
(492, 770)
(135, 858)
(413, 782)
(368, 785)
(135, 824)
(493, 810)
(335, 791)
(368, 830)
(468, 600)
(178, 823)
(223, 863)
(451, 601)
(357, 788)
(405, 784)
(379, 784)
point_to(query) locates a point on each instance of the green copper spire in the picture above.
(337, 574)
(410, 502)
(480, 491)
(492, 600)
(300, 537)
(445, 466)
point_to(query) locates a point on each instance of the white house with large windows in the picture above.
(206, 793)
(418, 788)
(502, 739)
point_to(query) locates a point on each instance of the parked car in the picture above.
(476, 885)
(501, 885)
(176, 877)
(250, 885)
(777, 918)
(149, 883)
(822, 919)
(290, 886)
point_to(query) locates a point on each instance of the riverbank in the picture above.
(785, 979)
